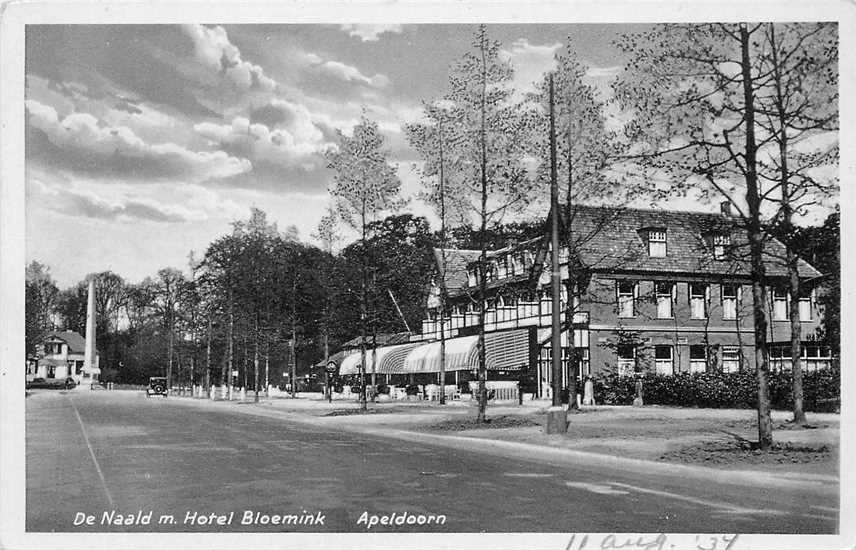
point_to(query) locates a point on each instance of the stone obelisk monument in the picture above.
(89, 359)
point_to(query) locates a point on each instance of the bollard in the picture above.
(638, 401)
(588, 392)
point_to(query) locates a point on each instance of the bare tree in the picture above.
(365, 185)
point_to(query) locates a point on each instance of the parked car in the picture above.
(51, 383)
(157, 386)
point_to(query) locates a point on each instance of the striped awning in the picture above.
(388, 360)
(507, 350)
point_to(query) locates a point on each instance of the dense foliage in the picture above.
(720, 390)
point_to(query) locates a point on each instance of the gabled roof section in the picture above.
(456, 266)
(607, 239)
(76, 342)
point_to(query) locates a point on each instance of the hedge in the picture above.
(717, 390)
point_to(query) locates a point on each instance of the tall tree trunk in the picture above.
(230, 353)
(293, 361)
(208, 358)
(267, 369)
(570, 308)
(256, 367)
(363, 310)
(482, 396)
(246, 363)
(170, 352)
(374, 361)
(192, 362)
(788, 227)
(556, 273)
(756, 249)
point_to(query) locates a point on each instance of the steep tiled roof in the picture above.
(456, 266)
(76, 342)
(613, 240)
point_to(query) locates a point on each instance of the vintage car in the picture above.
(157, 386)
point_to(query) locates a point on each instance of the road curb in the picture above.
(535, 453)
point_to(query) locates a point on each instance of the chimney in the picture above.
(725, 208)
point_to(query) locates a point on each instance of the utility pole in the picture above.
(442, 270)
(556, 417)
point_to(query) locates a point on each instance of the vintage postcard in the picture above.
(426, 274)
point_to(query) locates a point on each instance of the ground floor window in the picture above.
(78, 368)
(698, 358)
(51, 371)
(663, 362)
(814, 356)
(730, 359)
(626, 354)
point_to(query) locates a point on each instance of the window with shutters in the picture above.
(729, 301)
(664, 292)
(657, 243)
(626, 298)
(698, 300)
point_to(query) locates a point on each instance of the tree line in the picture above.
(742, 113)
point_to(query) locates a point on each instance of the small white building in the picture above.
(61, 355)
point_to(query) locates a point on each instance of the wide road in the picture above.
(93, 453)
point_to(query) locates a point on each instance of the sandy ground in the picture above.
(716, 438)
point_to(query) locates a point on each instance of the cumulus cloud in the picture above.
(370, 33)
(530, 62)
(291, 142)
(213, 49)
(81, 143)
(350, 73)
(88, 204)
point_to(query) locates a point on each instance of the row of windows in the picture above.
(664, 359)
(665, 296)
(503, 267)
(53, 348)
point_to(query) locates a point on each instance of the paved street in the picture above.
(94, 452)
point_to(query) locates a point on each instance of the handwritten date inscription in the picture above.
(659, 541)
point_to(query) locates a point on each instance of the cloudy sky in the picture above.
(145, 142)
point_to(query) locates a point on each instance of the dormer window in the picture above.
(490, 275)
(657, 243)
(720, 246)
(516, 264)
(502, 268)
(472, 277)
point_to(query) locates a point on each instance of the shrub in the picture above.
(821, 390)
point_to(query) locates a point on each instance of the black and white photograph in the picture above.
(455, 276)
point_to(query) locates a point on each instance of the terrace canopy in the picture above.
(507, 350)
(389, 360)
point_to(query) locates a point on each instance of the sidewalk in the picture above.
(695, 442)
